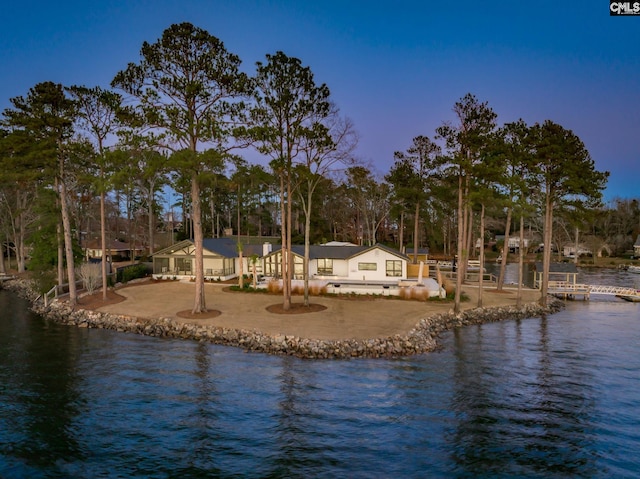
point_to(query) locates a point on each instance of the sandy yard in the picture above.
(338, 318)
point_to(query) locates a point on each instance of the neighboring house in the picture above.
(514, 242)
(220, 258)
(570, 251)
(636, 247)
(93, 249)
(339, 263)
(423, 254)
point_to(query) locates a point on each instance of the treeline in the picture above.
(76, 159)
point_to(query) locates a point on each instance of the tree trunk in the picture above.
(199, 305)
(240, 267)
(463, 256)
(505, 251)
(401, 232)
(290, 263)
(3, 269)
(467, 228)
(546, 256)
(103, 242)
(286, 296)
(481, 272)
(253, 271)
(307, 233)
(460, 244)
(520, 263)
(416, 221)
(60, 241)
(20, 239)
(68, 244)
(150, 225)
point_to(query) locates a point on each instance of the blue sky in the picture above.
(395, 68)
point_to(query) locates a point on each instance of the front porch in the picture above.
(181, 268)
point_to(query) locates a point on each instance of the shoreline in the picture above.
(419, 339)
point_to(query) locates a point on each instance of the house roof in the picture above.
(113, 245)
(409, 250)
(339, 252)
(226, 247)
(558, 267)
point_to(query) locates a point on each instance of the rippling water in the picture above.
(554, 397)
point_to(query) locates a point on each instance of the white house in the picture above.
(341, 263)
(569, 251)
(513, 244)
(220, 258)
(342, 268)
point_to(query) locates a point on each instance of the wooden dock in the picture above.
(570, 290)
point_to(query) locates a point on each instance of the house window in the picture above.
(160, 265)
(272, 265)
(298, 267)
(394, 267)
(229, 266)
(325, 266)
(367, 266)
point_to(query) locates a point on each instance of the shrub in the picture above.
(274, 286)
(132, 272)
(90, 274)
(415, 293)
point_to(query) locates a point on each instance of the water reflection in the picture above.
(523, 407)
(39, 394)
(551, 397)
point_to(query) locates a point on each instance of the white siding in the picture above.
(379, 257)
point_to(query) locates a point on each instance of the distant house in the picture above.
(570, 251)
(423, 254)
(93, 250)
(636, 248)
(220, 258)
(344, 262)
(514, 242)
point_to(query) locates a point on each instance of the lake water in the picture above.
(554, 397)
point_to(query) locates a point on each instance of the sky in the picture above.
(395, 68)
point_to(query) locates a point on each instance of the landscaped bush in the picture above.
(91, 276)
(132, 272)
(274, 287)
(420, 294)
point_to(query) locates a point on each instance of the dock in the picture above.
(570, 290)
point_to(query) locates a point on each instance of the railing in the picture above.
(57, 290)
(615, 290)
(53, 292)
(470, 276)
(566, 288)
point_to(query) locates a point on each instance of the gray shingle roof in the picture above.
(338, 252)
(558, 267)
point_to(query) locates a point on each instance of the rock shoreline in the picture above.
(421, 339)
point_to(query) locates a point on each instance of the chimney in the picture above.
(266, 249)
